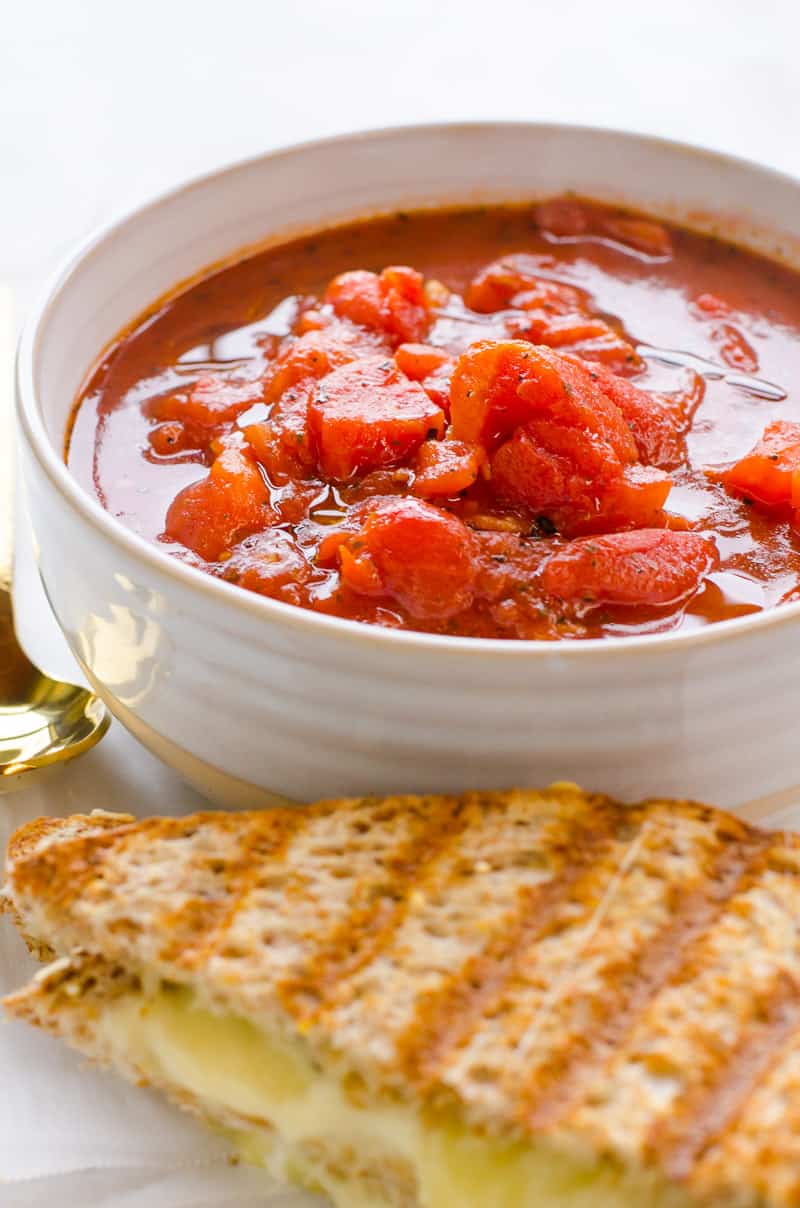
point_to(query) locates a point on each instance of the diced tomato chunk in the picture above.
(560, 331)
(498, 385)
(711, 306)
(655, 426)
(546, 466)
(358, 570)
(417, 361)
(562, 474)
(609, 349)
(514, 280)
(562, 217)
(446, 467)
(357, 295)
(270, 563)
(259, 438)
(770, 473)
(736, 351)
(652, 567)
(642, 234)
(211, 515)
(569, 443)
(170, 438)
(405, 303)
(634, 500)
(367, 415)
(485, 405)
(310, 320)
(212, 400)
(580, 333)
(414, 553)
(540, 479)
(393, 303)
(553, 312)
(281, 443)
(318, 352)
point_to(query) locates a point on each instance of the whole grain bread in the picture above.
(622, 981)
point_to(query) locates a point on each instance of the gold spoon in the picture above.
(42, 721)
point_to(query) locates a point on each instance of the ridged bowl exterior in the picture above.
(248, 697)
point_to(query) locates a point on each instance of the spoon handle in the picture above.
(7, 440)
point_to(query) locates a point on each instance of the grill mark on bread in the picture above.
(707, 1111)
(629, 987)
(376, 912)
(206, 922)
(447, 1018)
(66, 867)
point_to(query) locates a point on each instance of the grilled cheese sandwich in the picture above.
(501, 1000)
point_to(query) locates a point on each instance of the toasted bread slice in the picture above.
(497, 1000)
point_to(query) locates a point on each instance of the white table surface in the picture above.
(103, 104)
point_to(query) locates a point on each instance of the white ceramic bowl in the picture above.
(248, 697)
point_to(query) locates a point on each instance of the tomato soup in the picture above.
(552, 421)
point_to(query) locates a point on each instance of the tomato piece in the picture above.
(430, 366)
(211, 515)
(656, 428)
(358, 571)
(543, 480)
(770, 473)
(577, 332)
(170, 438)
(568, 443)
(559, 331)
(609, 349)
(260, 442)
(634, 500)
(437, 388)
(310, 320)
(357, 295)
(556, 472)
(270, 563)
(213, 401)
(736, 351)
(652, 567)
(648, 238)
(446, 467)
(367, 415)
(417, 361)
(514, 280)
(318, 352)
(580, 401)
(405, 303)
(498, 385)
(281, 443)
(555, 313)
(564, 474)
(485, 403)
(414, 553)
(393, 303)
(711, 306)
(562, 217)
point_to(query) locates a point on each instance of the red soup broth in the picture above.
(554, 421)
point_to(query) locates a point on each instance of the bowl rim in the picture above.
(293, 616)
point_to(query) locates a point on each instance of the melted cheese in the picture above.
(291, 1112)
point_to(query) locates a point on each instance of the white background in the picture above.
(102, 105)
